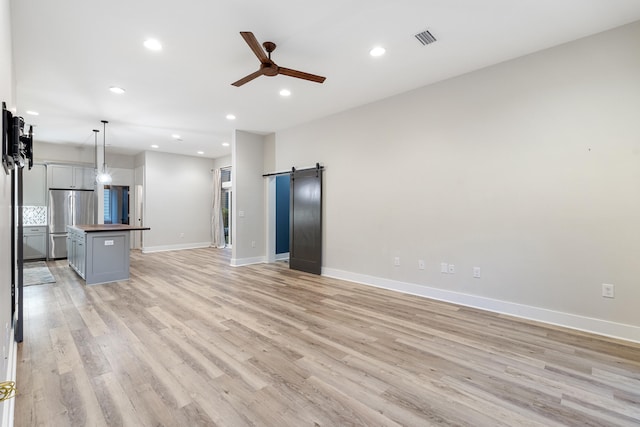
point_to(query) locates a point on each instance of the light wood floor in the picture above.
(191, 341)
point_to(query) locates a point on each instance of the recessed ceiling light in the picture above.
(285, 92)
(200, 152)
(155, 146)
(176, 137)
(377, 51)
(152, 44)
(231, 117)
(32, 113)
(225, 144)
(116, 89)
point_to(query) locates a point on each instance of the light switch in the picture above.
(444, 267)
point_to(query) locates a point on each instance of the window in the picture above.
(225, 175)
(107, 205)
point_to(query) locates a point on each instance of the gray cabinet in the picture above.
(101, 254)
(71, 177)
(34, 186)
(34, 240)
(76, 253)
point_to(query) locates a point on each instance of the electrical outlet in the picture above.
(420, 264)
(608, 290)
(396, 261)
(444, 267)
(452, 269)
(253, 243)
(476, 272)
(182, 235)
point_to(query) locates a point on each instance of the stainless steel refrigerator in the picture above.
(67, 207)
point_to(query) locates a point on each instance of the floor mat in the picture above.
(36, 273)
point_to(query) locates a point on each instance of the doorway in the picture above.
(226, 202)
(283, 192)
(227, 196)
(116, 204)
(138, 211)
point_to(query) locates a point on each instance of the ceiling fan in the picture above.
(267, 66)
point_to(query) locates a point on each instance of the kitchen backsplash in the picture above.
(34, 215)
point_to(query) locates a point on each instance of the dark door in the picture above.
(305, 248)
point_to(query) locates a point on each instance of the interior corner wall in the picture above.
(248, 203)
(7, 94)
(222, 162)
(529, 169)
(269, 163)
(65, 153)
(178, 197)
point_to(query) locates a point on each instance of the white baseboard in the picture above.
(282, 257)
(573, 321)
(8, 406)
(164, 248)
(239, 262)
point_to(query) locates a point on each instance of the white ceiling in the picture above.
(67, 53)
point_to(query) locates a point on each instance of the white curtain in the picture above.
(217, 224)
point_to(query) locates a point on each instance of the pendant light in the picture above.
(95, 150)
(103, 177)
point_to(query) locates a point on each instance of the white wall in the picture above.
(269, 161)
(178, 196)
(222, 162)
(7, 90)
(248, 209)
(65, 153)
(529, 169)
(76, 154)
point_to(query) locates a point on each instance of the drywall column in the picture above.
(248, 204)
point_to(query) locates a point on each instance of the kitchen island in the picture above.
(99, 253)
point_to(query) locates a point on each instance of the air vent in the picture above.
(425, 37)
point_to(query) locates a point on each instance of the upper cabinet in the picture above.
(34, 186)
(84, 178)
(71, 177)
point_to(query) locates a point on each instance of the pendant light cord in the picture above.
(104, 144)
(95, 148)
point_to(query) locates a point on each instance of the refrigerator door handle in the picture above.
(70, 209)
(71, 214)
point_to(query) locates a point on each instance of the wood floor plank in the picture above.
(191, 341)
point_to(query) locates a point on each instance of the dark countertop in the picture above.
(97, 228)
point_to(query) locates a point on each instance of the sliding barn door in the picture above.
(305, 248)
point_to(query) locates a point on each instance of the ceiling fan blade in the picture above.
(255, 46)
(248, 78)
(301, 75)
